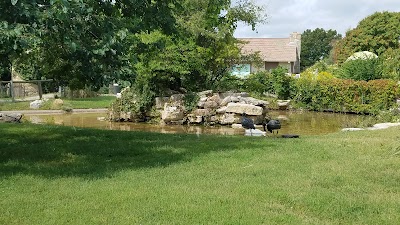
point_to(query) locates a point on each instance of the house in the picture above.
(274, 52)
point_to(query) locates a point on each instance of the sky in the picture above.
(287, 16)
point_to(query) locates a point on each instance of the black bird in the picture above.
(247, 123)
(272, 125)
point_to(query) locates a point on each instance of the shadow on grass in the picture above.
(54, 151)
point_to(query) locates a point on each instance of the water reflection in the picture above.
(303, 123)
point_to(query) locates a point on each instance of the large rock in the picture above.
(10, 118)
(253, 101)
(160, 102)
(57, 103)
(202, 112)
(283, 104)
(207, 93)
(177, 97)
(202, 102)
(229, 118)
(36, 104)
(229, 99)
(172, 113)
(221, 110)
(209, 104)
(240, 108)
(215, 98)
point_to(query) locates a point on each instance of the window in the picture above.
(241, 70)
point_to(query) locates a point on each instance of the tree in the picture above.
(18, 24)
(88, 43)
(375, 33)
(390, 64)
(196, 55)
(360, 69)
(316, 45)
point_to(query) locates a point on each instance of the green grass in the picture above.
(10, 106)
(66, 175)
(90, 103)
(80, 103)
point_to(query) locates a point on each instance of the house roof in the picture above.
(271, 49)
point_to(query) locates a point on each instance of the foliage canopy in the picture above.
(375, 33)
(316, 45)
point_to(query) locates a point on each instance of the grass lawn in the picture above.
(79, 103)
(65, 175)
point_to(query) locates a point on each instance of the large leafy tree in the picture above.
(92, 39)
(18, 24)
(155, 44)
(376, 33)
(197, 54)
(88, 43)
(316, 45)
(203, 48)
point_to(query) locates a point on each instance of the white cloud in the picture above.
(287, 16)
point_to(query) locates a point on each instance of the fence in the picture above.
(22, 89)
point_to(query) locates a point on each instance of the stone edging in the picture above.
(378, 126)
(37, 112)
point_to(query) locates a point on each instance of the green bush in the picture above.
(276, 82)
(258, 83)
(343, 95)
(230, 83)
(390, 64)
(282, 83)
(190, 100)
(361, 69)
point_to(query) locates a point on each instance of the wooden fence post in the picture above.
(40, 89)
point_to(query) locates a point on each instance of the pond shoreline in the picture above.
(50, 112)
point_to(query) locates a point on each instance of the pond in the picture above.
(293, 122)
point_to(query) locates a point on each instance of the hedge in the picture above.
(342, 95)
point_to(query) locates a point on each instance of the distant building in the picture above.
(274, 52)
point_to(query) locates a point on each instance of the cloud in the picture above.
(290, 16)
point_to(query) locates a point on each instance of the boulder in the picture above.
(215, 98)
(57, 103)
(229, 118)
(172, 113)
(36, 104)
(221, 110)
(207, 93)
(253, 101)
(283, 104)
(209, 104)
(202, 112)
(237, 126)
(202, 102)
(11, 118)
(225, 101)
(228, 99)
(177, 97)
(214, 119)
(240, 108)
(160, 102)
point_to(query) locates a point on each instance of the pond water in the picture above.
(293, 122)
